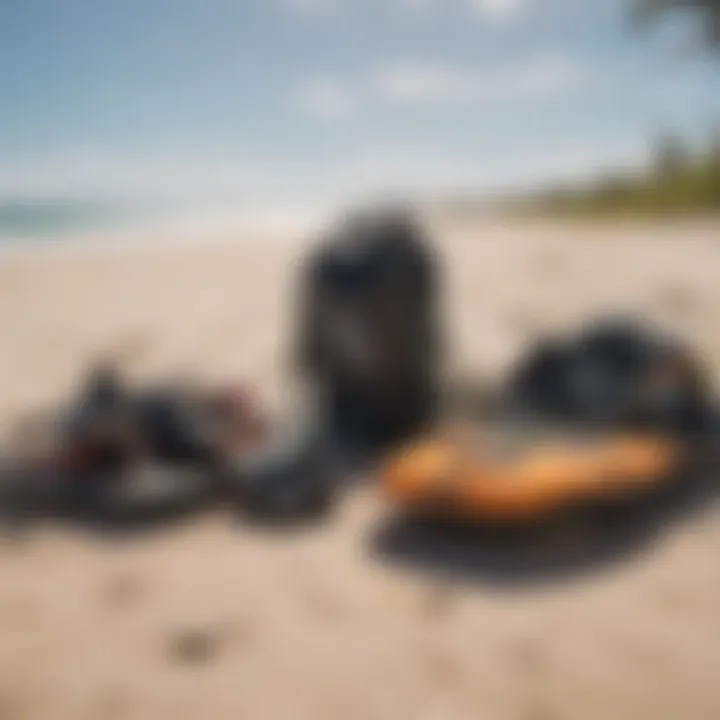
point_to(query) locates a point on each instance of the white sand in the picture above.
(312, 625)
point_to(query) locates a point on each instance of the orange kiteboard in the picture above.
(503, 474)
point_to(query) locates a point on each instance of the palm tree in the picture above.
(707, 12)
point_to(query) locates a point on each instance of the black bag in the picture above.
(368, 342)
(617, 372)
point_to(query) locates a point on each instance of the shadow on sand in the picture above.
(592, 540)
(103, 526)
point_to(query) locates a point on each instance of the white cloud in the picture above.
(443, 85)
(326, 98)
(496, 12)
(493, 10)
(499, 11)
(431, 84)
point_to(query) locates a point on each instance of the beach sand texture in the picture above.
(213, 618)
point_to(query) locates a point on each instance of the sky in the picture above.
(335, 98)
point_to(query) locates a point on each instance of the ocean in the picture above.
(57, 220)
(41, 219)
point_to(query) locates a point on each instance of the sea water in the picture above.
(57, 220)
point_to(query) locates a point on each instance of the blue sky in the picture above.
(334, 97)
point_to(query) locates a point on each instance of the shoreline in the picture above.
(123, 241)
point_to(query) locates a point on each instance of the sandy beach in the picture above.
(213, 618)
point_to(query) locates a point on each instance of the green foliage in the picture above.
(691, 189)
